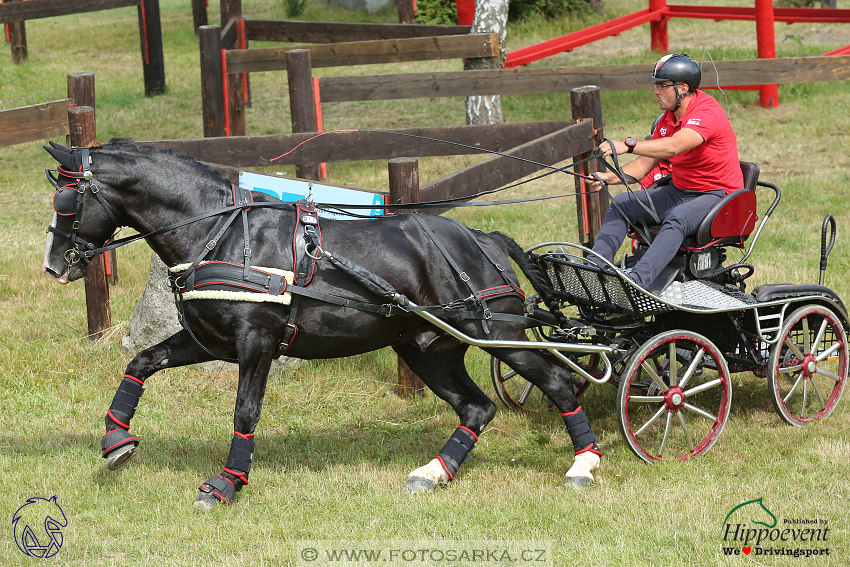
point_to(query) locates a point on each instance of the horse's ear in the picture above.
(63, 155)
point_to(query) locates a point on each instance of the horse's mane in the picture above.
(128, 147)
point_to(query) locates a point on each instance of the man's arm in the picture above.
(660, 148)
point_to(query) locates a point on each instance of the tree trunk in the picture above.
(491, 16)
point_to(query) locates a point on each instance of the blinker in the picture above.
(65, 201)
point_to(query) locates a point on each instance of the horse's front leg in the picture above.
(255, 358)
(118, 444)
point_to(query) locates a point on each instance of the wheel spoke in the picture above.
(703, 387)
(664, 439)
(651, 420)
(806, 337)
(790, 369)
(827, 352)
(655, 377)
(819, 336)
(794, 348)
(646, 399)
(701, 412)
(692, 368)
(827, 374)
(820, 396)
(525, 392)
(673, 363)
(805, 396)
(508, 375)
(794, 387)
(687, 431)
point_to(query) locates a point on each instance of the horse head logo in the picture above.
(755, 509)
(38, 527)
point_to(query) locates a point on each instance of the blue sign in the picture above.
(291, 190)
(38, 527)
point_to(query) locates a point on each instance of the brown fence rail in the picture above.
(564, 79)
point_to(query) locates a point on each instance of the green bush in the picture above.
(444, 11)
(436, 12)
(550, 9)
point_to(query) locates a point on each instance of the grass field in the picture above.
(335, 443)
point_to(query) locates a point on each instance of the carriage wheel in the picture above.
(808, 365)
(674, 397)
(519, 394)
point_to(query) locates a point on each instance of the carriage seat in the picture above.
(729, 222)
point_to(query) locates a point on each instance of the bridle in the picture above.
(68, 201)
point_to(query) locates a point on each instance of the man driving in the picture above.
(696, 137)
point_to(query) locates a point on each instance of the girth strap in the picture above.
(460, 273)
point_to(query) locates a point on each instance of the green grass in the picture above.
(335, 442)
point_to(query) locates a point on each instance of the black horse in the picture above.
(338, 314)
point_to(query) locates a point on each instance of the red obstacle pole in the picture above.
(658, 28)
(465, 12)
(768, 94)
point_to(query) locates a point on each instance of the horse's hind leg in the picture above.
(442, 368)
(119, 445)
(557, 383)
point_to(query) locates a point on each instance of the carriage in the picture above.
(674, 346)
(395, 281)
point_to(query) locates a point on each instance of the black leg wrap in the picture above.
(456, 450)
(220, 487)
(240, 458)
(126, 399)
(115, 439)
(579, 429)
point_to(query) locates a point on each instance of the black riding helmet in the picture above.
(678, 68)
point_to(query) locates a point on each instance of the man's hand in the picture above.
(600, 179)
(609, 147)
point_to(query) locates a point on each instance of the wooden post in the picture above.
(586, 102)
(17, 39)
(658, 28)
(768, 94)
(406, 13)
(212, 90)
(150, 30)
(82, 125)
(199, 14)
(81, 89)
(404, 188)
(231, 11)
(299, 71)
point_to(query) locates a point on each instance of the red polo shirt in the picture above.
(713, 164)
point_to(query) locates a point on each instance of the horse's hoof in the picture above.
(205, 502)
(416, 484)
(578, 482)
(120, 457)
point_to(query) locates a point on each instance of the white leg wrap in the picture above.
(583, 466)
(433, 471)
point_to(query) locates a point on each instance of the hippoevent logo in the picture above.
(751, 528)
(38, 527)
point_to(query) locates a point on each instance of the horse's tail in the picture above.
(531, 270)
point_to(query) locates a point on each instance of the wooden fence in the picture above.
(14, 13)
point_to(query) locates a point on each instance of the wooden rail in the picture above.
(564, 79)
(35, 122)
(368, 52)
(257, 151)
(37, 9)
(289, 31)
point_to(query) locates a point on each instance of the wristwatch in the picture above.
(630, 143)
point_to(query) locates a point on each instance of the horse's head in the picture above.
(84, 219)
